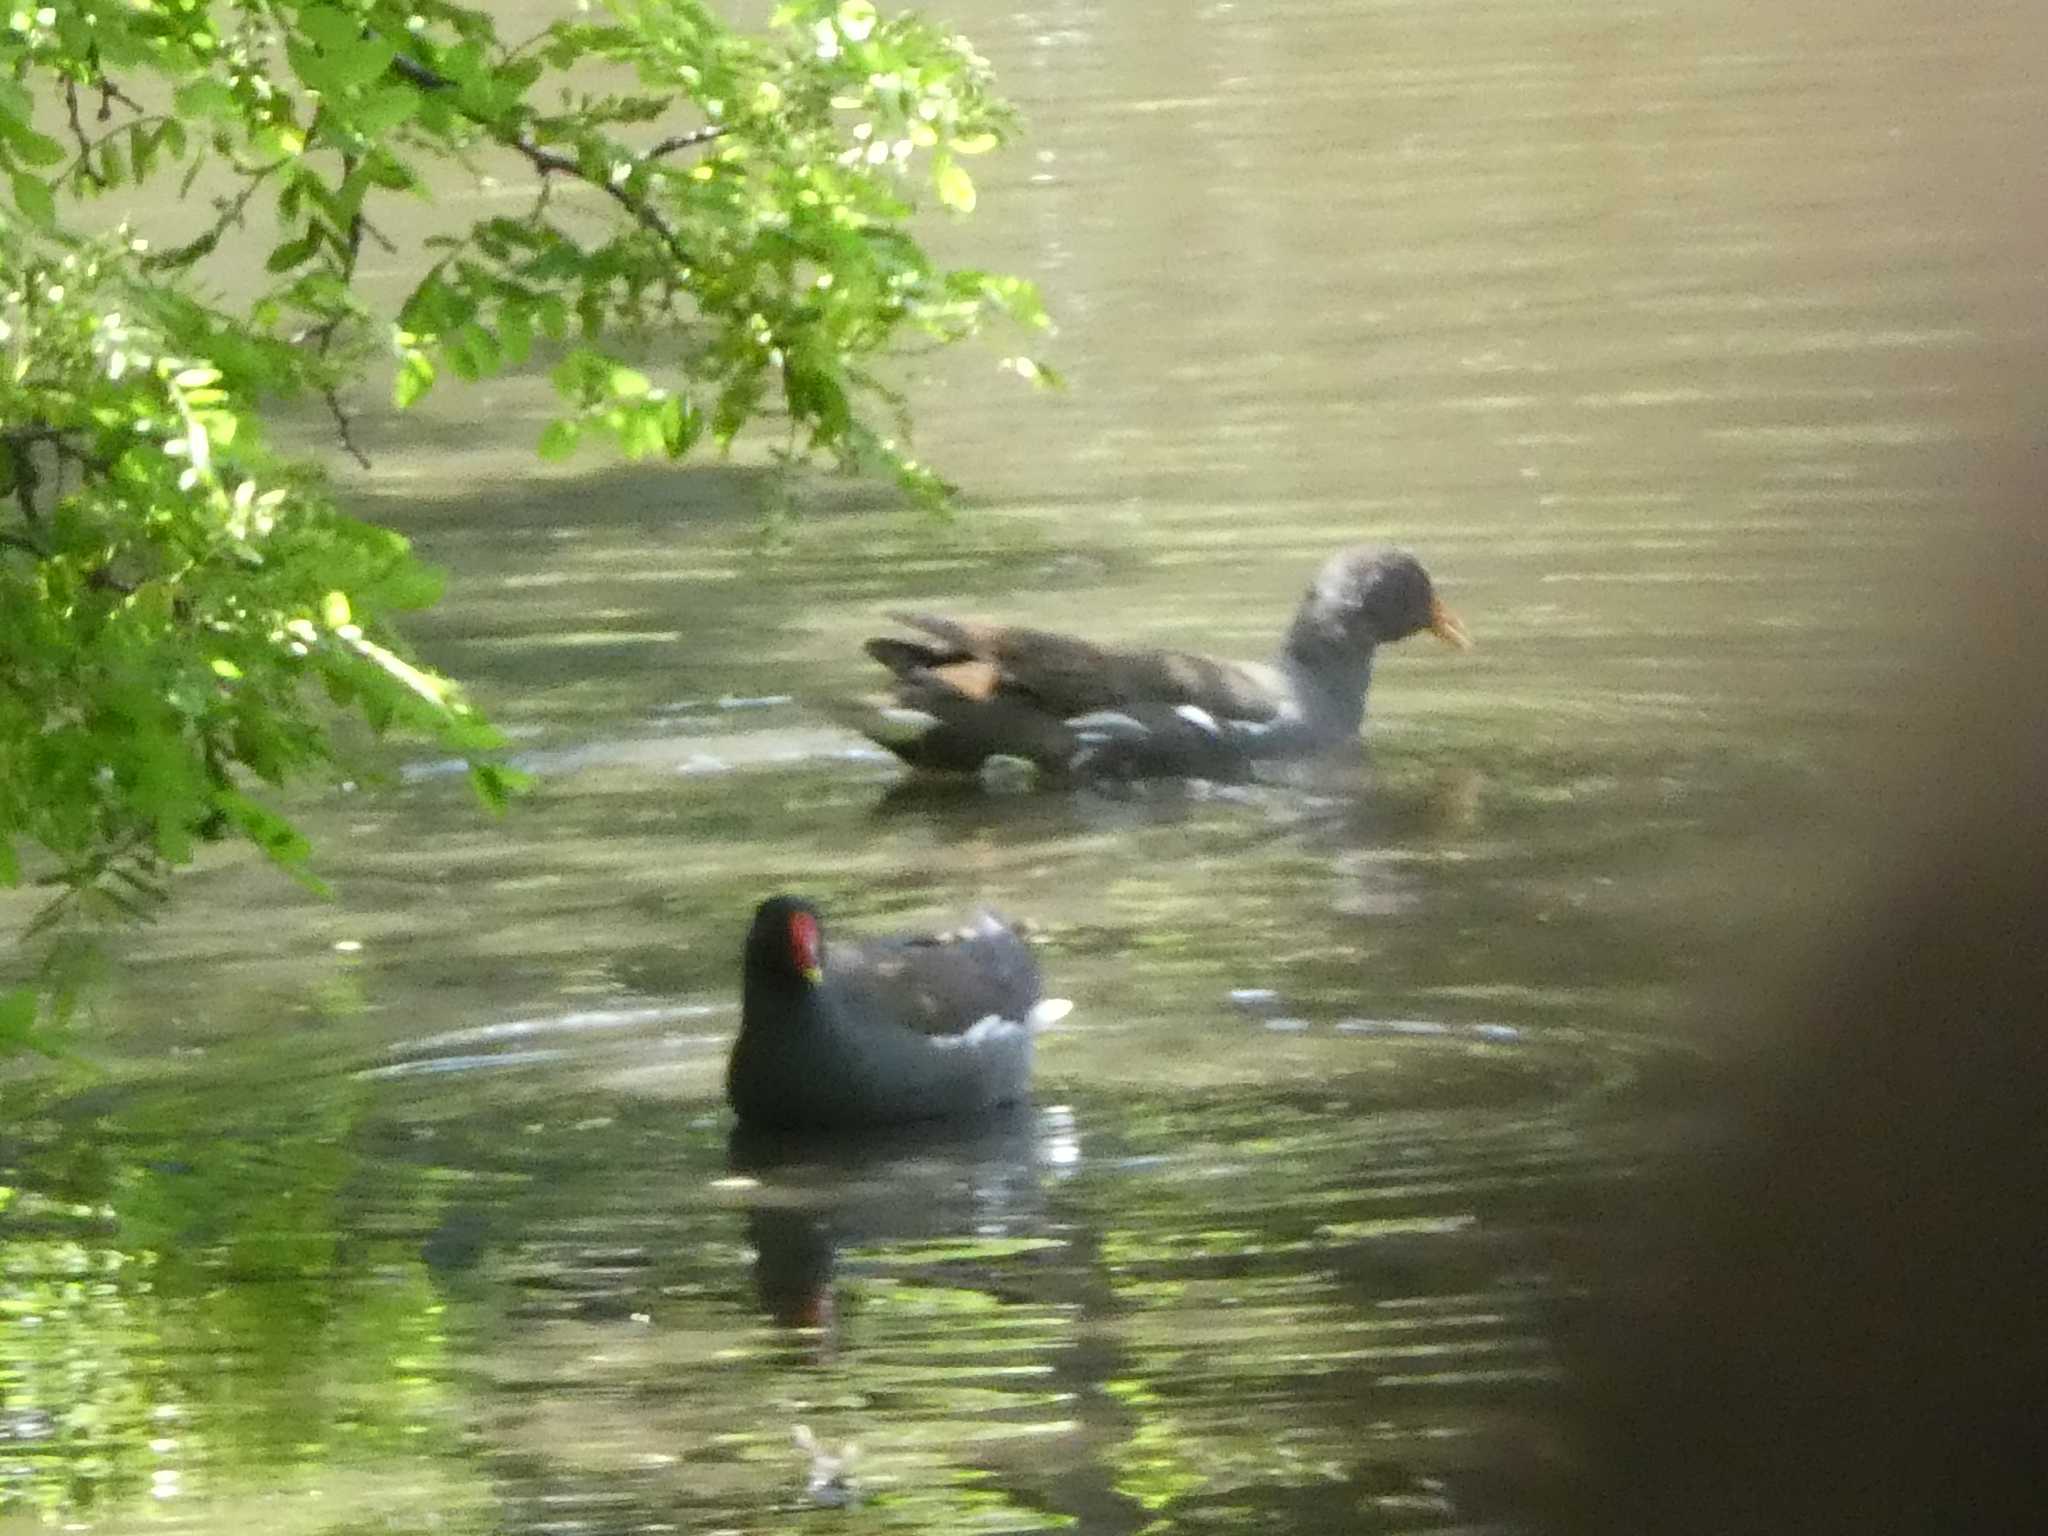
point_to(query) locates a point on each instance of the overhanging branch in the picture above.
(550, 162)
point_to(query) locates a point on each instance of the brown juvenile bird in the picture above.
(971, 691)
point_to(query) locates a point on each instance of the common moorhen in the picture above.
(885, 1030)
(974, 691)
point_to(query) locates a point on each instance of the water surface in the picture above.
(1654, 329)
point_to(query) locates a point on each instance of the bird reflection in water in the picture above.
(807, 1198)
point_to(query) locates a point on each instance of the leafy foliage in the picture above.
(169, 588)
(716, 232)
(738, 203)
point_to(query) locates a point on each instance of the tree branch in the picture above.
(550, 162)
(111, 93)
(344, 426)
(85, 144)
(229, 213)
(695, 138)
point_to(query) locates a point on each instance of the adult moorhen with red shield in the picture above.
(881, 1031)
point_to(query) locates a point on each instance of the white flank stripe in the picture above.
(1047, 1012)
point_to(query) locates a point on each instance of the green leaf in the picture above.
(415, 378)
(381, 110)
(361, 61)
(205, 98)
(330, 27)
(33, 197)
(30, 147)
(496, 785)
(628, 384)
(515, 331)
(142, 147)
(293, 252)
(18, 1011)
(280, 841)
(559, 439)
(681, 425)
(955, 186)
(475, 352)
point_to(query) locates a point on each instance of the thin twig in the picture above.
(111, 93)
(691, 140)
(344, 425)
(85, 145)
(229, 213)
(352, 248)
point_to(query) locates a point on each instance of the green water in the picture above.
(1653, 329)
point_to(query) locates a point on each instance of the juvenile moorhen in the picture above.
(973, 691)
(881, 1031)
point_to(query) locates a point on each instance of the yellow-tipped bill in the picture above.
(1446, 626)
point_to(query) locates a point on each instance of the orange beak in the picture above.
(1445, 626)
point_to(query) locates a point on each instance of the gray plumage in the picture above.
(889, 1030)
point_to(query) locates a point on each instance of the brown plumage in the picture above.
(969, 690)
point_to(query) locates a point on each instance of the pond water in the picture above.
(1653, 328)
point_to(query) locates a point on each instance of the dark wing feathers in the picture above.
(904, 657)
(938, 984)
(1066, 676)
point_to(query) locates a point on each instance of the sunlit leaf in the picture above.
(496, 785)
(415, 377)
(955, 186)
(559, 439)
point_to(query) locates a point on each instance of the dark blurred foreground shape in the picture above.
(1834, 1316)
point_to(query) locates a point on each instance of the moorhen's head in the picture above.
(1371, 595)
(786, 943)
